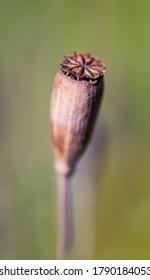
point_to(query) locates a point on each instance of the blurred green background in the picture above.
(111, 188)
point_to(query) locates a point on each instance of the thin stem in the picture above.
(64, 215)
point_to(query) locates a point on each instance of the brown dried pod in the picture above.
(76, 97)
(75, 101)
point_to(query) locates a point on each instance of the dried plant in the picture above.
(76, 97)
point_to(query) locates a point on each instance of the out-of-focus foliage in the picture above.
(111, 190)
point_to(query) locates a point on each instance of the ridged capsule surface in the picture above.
(75, 101)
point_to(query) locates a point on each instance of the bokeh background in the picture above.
(111, 187)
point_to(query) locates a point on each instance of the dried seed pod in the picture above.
(76, 98)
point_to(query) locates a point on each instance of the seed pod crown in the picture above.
(82, 66)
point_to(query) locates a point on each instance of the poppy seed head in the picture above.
(75, 102)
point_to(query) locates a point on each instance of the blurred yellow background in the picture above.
(111, 188)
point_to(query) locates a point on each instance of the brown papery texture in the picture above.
(73, 111)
